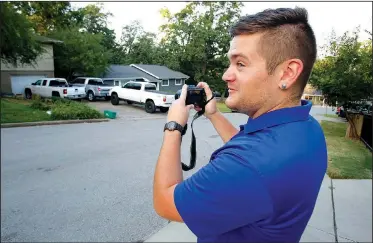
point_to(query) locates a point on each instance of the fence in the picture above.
(366, 131)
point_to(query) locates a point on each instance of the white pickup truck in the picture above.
(54, 87)
(142, 93)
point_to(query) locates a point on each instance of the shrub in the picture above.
(40, 105)
(62, 110)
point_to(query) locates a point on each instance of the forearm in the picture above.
(224, 128)
(168, 170)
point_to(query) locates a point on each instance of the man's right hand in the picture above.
(210, 108)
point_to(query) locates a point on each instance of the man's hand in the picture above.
(210, 108)
(178, 111)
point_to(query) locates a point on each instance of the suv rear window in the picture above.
(95, 82)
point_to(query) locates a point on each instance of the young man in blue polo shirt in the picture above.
(262, 185)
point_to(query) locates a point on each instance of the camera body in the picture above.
(196, 96)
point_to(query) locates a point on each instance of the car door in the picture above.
(125, 91)
(35, 87)
(44, 91)
(136, 92)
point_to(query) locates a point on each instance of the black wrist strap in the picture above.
(193, 153)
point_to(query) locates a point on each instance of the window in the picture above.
(127, 86)
(178, 82)
(150, 87)
(57, 83)
(136, 86)
(109, 82)
(95, 82)
(116, 83)
(38, 82)
(44, 82)
(165, 82)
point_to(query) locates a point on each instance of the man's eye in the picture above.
(240, 64)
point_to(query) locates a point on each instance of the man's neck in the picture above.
(284, 103)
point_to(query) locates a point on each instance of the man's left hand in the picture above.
(179, 112)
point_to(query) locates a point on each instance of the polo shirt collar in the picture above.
(277, 117)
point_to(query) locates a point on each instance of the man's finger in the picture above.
(207, 89)
(183, 92)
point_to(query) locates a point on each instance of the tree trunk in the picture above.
(355, 124)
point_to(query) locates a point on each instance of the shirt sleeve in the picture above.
(224, 195)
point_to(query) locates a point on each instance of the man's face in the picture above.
(250, 85)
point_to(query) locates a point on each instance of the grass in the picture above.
(331, 115)
(15, 111)
(347, 159)
(222, 107)
(21, 110)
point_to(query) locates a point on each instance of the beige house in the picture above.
(15, 78)
(310, 93)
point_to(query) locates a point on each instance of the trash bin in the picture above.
(110, 114)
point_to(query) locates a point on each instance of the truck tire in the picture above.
(114, 99)
(28, 94)
(150, 106)
(163, 109)
(91, 96)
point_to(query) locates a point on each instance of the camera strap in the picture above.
(193, 153)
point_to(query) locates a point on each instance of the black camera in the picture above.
(196, 97)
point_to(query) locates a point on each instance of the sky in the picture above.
(323, 16)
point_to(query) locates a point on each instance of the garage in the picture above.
(19, 82)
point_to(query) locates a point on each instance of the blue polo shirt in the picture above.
(262, 185)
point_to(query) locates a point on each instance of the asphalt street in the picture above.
(89, 182)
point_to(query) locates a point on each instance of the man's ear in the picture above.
(290, 71)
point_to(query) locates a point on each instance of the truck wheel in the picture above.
(114, 99)
(129, 102)
(163, 109)
(150, 106)
(28, 94)
(91, 96)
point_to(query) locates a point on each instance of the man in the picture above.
(262, 185)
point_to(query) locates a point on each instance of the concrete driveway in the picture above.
(126, 111)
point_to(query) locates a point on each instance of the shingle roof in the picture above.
(160, 72)
(124, 71)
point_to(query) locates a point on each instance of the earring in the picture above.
(283, 86)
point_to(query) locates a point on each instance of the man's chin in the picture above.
(230, 104)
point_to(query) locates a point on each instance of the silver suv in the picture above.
(94, 87)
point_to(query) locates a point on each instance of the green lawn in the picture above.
(348, 159)
(14, 110)
(222, 107)
(331, 115)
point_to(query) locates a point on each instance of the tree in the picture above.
(198, 37)
(81, 52)
(18, 42)
(345, 75)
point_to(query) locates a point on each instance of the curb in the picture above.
(31, 124)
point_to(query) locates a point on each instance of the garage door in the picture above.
(19, 82)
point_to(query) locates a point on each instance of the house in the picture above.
(14, 78)
(165, 79)
(310, 93)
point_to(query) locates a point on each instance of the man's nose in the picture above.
(228, 75)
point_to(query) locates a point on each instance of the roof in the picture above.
(159, 72)
(125, 71)
(48, 40)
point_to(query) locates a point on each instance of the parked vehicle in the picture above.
(54, 87)
(142, 93)
(94, 87)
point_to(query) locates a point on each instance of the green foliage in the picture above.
(344, 75)
(80, 52)
(73, 110)
(18, 43)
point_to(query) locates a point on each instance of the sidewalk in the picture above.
(353, 216)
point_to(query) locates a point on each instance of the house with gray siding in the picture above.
(165, 79)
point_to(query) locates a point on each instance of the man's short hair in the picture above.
(286, 34)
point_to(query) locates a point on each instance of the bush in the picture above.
(40, 105)
(71, 110)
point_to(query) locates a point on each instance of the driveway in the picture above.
(126, 111)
